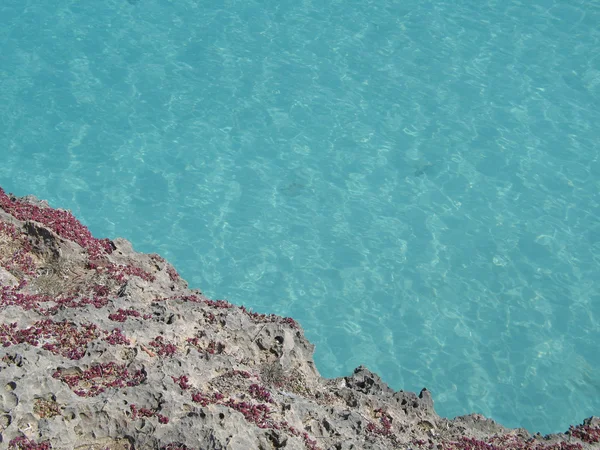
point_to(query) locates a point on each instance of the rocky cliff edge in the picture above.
(102, 347)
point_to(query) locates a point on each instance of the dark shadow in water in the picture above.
(422, 169)
(292, 189)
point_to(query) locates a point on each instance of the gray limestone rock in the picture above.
(103, 347)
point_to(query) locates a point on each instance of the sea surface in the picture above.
(417, 182)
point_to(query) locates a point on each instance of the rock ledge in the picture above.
(106, 348)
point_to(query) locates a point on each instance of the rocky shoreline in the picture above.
(106, 348)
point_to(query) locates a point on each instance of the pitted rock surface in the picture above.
(103, 347)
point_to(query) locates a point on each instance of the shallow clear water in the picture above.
(415, 181)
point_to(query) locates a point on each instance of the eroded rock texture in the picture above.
(103, 347)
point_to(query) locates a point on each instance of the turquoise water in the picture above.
(415, 181)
